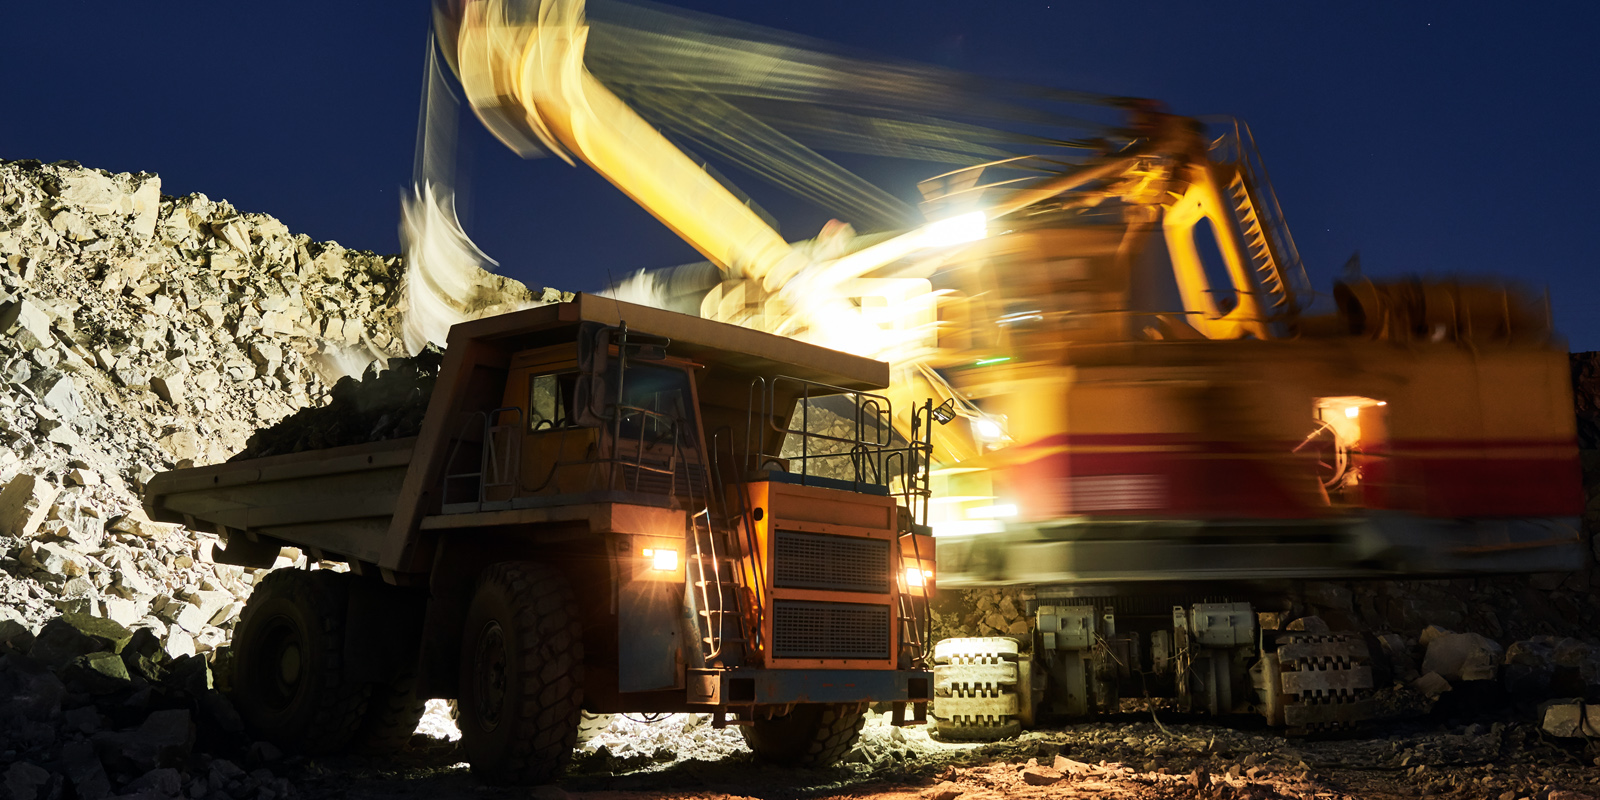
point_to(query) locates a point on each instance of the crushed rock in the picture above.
(141, 332)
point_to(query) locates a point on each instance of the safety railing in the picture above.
(916, 613)
(498, 463)
(748, 588)
(852, 451)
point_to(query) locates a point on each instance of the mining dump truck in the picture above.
(597, 516)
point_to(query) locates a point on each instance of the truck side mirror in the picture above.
(589, 397)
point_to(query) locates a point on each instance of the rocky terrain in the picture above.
(141, 332)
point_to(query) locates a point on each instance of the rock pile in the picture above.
(141, 332)
(138, 333)
(631, 744)
(998, 611)
(381, 405)
(94, 709)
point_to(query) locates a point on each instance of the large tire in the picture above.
(393, 713)
(289, 685)
(592, 725)
(811, 735)
(521, 675)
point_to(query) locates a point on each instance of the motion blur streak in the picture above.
(444, 269)
(524, 72)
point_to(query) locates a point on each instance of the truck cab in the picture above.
(609, 508)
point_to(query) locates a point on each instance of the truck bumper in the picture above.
(748, 687)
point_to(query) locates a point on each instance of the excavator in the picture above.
(1149, 424)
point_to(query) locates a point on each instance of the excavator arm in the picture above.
(521, 63)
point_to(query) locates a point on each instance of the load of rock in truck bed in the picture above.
(383, 404)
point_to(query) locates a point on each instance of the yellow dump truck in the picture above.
(597, 516)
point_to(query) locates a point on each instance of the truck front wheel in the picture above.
(521, 675)
(810, 735)
(289, 647)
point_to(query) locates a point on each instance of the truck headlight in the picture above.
(918, 577)
(662, 559)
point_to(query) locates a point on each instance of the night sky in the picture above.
(1434, 138)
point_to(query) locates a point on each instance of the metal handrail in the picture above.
(873, 414)
(486, 458)
(747, 520)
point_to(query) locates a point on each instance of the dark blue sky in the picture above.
(1435, 138)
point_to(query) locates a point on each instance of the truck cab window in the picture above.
(549, 401)
(661, 391)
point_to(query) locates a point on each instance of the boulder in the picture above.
(84, 771)
(1569, 718)
(1463, 657)
(1431, 684)
(27, 323)
(163, 739)
(160, 782)
(23, 505)
(93, 192)
(98, 673)
(29, 690)
(60, 642)
(25, 781)
(55, 560)
(15, 636)
(1040, 776)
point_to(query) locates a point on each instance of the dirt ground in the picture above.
(1133, 757)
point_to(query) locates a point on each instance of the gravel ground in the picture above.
(682, 756)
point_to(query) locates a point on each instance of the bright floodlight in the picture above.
(987, 429)
(662, 559)
(955, 230)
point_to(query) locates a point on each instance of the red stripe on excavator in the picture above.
(1259, 480)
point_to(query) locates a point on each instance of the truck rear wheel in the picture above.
(290, 687)
(811, 735)
(521, 675)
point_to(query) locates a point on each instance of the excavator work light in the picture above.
(956, 230)
(988, 430)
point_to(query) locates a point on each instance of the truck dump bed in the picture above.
(339, 500)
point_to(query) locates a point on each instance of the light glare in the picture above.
(955, 230)
(987, 429)
(664, 560)
(992, 512)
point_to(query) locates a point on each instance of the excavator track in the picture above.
(1326, 681)
(975, 689)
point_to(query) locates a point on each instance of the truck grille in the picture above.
(832, 563)
(804, 629)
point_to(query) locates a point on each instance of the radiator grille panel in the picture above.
(831, 563)
(802, 629)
